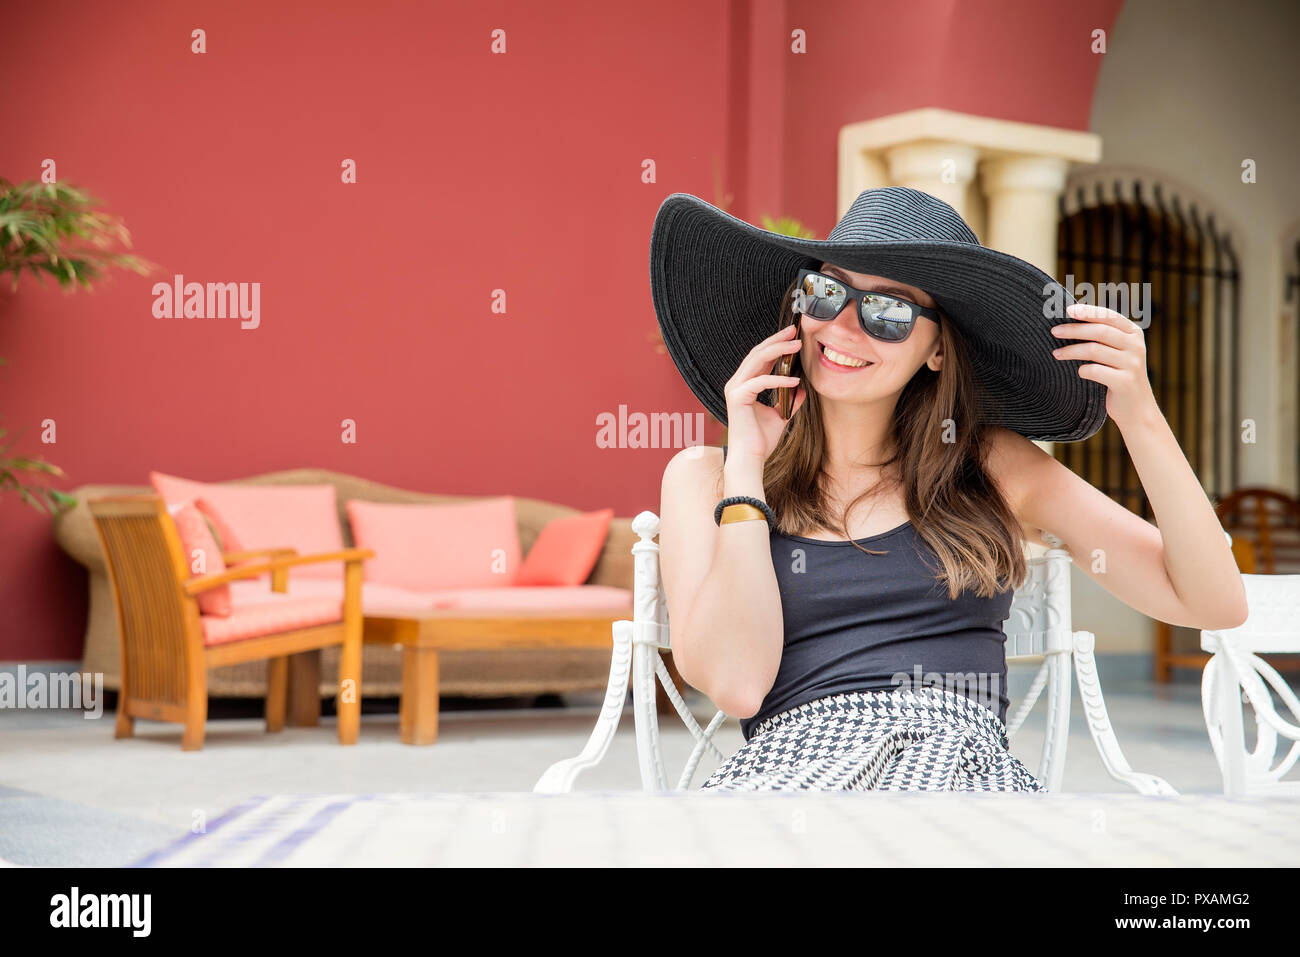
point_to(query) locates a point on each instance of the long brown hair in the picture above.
(939, 456)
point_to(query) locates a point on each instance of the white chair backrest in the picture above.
(1235, 675)
(649, 606)
(1039, 621)
(1273, 623)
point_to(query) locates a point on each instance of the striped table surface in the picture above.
(741, 829)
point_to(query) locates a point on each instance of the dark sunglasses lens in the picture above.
(819, 296)
(887, 319)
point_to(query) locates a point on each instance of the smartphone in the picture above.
(787, 365)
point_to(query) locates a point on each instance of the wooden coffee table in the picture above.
(422, 635)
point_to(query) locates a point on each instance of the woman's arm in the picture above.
(724, 607)
(1180, 570)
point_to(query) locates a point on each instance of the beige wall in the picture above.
(1188, 89)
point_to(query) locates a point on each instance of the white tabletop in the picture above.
(700, 828)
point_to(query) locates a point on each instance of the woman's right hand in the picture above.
(753, 428)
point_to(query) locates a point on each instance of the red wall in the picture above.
(475, 172)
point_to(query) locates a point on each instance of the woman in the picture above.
(838, 579)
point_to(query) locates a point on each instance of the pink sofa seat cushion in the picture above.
(431, 547)
(382, 599)
(304, 517)
(270, 617)
(521, 598)
(376, 599)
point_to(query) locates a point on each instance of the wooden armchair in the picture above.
(1264, 525)
(168, 646)
(1269, 521)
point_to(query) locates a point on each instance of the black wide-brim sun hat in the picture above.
(718, 282)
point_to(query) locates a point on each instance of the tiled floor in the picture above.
(701, 828)
(72, 795)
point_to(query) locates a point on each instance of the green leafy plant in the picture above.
(787, 226)
(53, 229)
(13, 469)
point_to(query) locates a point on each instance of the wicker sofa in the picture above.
(473, 673)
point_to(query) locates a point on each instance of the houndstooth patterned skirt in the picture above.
(926, 739)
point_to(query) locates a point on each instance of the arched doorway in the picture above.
(1137, 247)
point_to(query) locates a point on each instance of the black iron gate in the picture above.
(1186, 274)
(1292, 288)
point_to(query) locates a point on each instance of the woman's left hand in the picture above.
(1116, 354)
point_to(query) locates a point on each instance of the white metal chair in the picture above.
(1236, 676)
(1038, 627)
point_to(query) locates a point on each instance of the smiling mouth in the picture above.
(839, 359)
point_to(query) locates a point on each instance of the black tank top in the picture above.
(860, 622)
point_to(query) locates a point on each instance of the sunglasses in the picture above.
(882, 317)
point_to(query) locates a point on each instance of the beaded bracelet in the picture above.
(757, 503)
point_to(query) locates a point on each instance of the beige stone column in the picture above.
(942, 169)
(1022, 194)
(940, 151)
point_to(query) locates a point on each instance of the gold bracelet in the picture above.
(741, 512)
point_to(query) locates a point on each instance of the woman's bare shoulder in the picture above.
(695, 469)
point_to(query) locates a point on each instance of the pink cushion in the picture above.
(375, 598)
(202, 557)
(230, 542)
(304, 517)
(566, 550)
(379, 599)
(270, 617)
(428, 547)
(524, 597)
